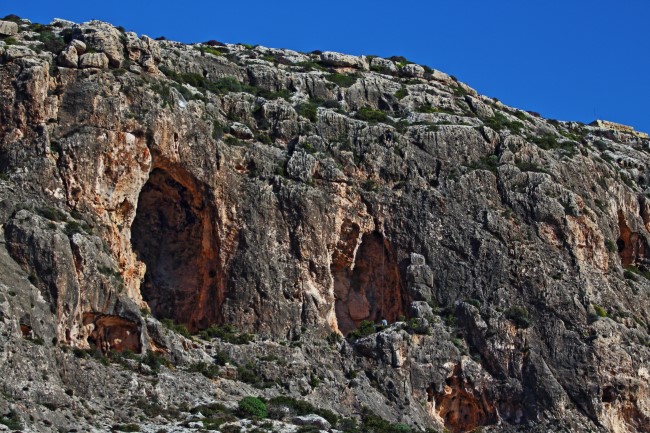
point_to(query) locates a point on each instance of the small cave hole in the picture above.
(367, 285)
(174, 234)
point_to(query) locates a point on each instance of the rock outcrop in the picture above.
(182, 226)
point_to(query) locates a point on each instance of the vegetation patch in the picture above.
(226, 333)
(550, 142)
(253, 407)
(342, 80)
(371, 115)
(176, 327)
(489, 163)
(298, 407)
(499, 122)
(519, 316)
(366, 328)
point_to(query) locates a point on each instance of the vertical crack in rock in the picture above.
(631, 246)
(367, 283)
(175, 236)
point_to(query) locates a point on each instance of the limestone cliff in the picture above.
(272, 202)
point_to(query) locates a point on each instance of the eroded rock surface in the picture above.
(278, 202)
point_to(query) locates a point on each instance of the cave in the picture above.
(631, 246)
(174, 234)
(462, 406)
(112, 333)
(367, 282)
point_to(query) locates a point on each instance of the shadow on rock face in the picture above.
(367, 282)
(175, 236)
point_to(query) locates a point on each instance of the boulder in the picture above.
(13, 52)
(383, 65)
(8, 28)
(480, 108)
(419, 277)
(420, 309)
(240, 130)
(68, 58)
(331, 58)
(412, 70)
(93, 60)
(107, 39)
(313, 420)
(80, 46)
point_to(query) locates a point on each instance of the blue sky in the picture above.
(568, 60)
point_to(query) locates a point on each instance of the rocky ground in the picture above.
(184, 227)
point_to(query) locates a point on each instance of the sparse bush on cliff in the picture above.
(519, 316)
(371, 115)
(499, 121)
(227, 333)
(176, 327)
(342, 80)
(366, 327)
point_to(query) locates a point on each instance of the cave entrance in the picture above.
(174, 234)
(367, 285)
(631, 246)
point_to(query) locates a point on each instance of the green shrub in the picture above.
(519, 316)
(227, 333)
(272, 94)
(72, 227)
(530, 166)
(246, 373)
(51, 213)
(310, 66)
(308, 110)
(366, 328)
(13, 18)
(400, 60)
(629, 275)
(176, 327)
(402, 93)
(600, 311)
(500, 121)
(301, 407)
(458, 91)
(126, 427)
(550, 142)
(342, 80)
(368, 114)
(217, 130)
(642, 272)
(429, 109)
(475, 302)
(51, 42)
(11, 420)
(418, 325)
(209, 371)
(334, 338)
(400, 428)
(221, 358)
(489, 163)
(253, 407)
(611, 246)
(211, 50)
(154, 360)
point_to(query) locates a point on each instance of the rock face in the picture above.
(150, 189)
